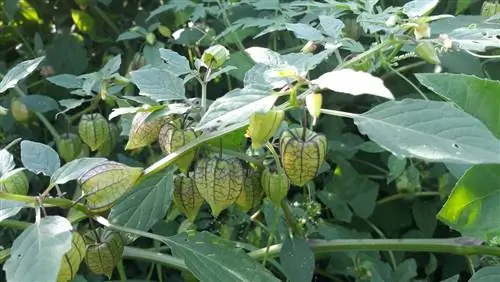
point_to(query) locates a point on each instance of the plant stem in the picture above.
(339, 113)
(409, 82)
(404, 195)
(365, 54)
(273, 231)
(157, 257)
(13, 143)
(93, 106)
(289, 217)
(227, 23)
(452, 246)
(14, 224)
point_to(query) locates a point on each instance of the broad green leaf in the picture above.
(337, 205)
(66, 80)
(211, 258)
(74, 169)
(83, 21)
(20, 71)
(243, 62)
(6, 162)
(331, 26)
(176, 63)
(462, 5)
(418, 8)
(158, 84)
(145, 204)
(476, 96)
(431, 130)
(70, 104)
(111, 66)
(237, 106)
(265, 56)
(353, 82)
(486, 274)
(472, 206)
(406, 271)
(9, 208)
(38, 157)
(39, 103)
(396, 167)
(297, 260)
(67, 54)
(475, 39)
(304, 31)
(424, 213)
(36, 254)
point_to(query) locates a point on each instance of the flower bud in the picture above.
(275, 185)
(427, 52)
(423, 30)
(215, 56)
(263, 126)
(313, 105)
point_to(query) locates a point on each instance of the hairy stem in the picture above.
(452, 246)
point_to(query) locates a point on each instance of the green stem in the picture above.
(228, 24)
(289, 218)
(14, 224)
(13, 143)
(365, 54)
(236, 154)
(403, 69)
(156, 257)
(452, 246)
(121, 271)
(381, 234)
(339, 113)
(48, 202)
(403, 195)
(273, 231)
(410, 83)
(92, 107)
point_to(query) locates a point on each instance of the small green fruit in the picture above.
(93, 130)
(275, 185)
(69, 146)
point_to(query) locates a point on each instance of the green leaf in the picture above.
(265, 56)
(462, 5)
(83, 21)
(406, 271)
(472, 205)
(418, 8)
(111, 66)
(175, 63)
(145, 204)
(67, 54)
(6, 162)
(237, 106)
(342, 81)
(39, 103)
(486, 274)
(424, 213)
(20, 71)
(70, 104)
(396, 167)
(38, 157)
(430, 130)
(211, 258)
(337, 205)
(331, 26)
(297, 260)
(9, 208)
(243, 62)
(74, 169)
(158, 84)
(304, 31)
(475, 39)
(476, 96)
(36, 254)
